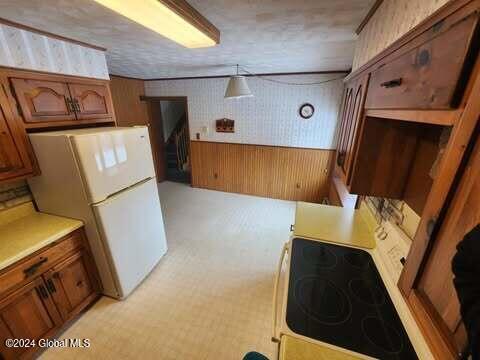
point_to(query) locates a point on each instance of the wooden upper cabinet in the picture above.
(71, 284)
(43, 101)
(25, 314)
(432, 75)
(15, 152)
(351, 120)
(91, 101)
(435, 290)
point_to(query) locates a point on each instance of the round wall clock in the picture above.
(306, 111)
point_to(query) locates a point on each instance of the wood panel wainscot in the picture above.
(270, 171)
(43, 292)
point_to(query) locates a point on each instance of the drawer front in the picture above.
(431, 76)
(28, 269)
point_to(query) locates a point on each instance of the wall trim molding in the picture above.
(247, 144)
(49, 34)
(369, 15)
(246, 75)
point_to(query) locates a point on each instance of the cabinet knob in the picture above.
(341, 158)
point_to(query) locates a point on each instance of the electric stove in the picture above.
(336, 295)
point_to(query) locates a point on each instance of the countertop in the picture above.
(333, 224)
(24, 231)
(354, 228)
(296, 349)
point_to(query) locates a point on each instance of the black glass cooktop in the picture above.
(337, 296)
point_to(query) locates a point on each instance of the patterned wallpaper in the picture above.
(27, 50)
(269, 118)
(392, 19)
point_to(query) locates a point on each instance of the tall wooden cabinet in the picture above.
(434, 294)
(407, 125)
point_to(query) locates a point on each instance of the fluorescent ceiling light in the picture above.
(156, 16)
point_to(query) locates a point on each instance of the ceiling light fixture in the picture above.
(176, 20)
(237, 87)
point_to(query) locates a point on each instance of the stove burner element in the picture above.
(380, 334)
(320, 256)
(366, 292)
(322, 300)
(359, 260)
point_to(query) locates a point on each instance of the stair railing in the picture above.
(181, 144)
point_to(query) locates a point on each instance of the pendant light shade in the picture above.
(237, 87)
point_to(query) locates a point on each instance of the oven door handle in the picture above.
(275, 337)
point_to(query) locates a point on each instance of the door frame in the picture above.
(157, 99)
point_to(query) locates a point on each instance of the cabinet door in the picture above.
(43, 101)
(435, 290)
(25, 314)
(344, 128)
(352, 116)
(91, 101)
(71, 284)
(15, 158)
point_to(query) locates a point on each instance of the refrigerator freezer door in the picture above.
(131, 225)
(112, 161)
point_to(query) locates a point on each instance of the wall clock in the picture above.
(306, 111)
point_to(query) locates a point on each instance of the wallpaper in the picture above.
(392, 19)
(27, 50)
(269, 118)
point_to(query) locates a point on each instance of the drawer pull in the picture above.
(70, 106)
(391, 83)
(51, 286)
(33, 269)
(41, 292)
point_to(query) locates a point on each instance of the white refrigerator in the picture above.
(106, 178)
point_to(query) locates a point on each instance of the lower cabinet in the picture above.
(25, 314)
(70, 284)
(42, 303)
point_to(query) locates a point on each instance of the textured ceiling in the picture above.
(265, 36)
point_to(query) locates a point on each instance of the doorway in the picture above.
(169, 125)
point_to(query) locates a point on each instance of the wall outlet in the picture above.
(204, 130)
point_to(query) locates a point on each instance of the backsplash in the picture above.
(28, 50)
(13, 194)
(396, 212)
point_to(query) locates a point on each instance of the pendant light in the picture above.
(237, 87)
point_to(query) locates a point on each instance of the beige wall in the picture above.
(392, 19)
